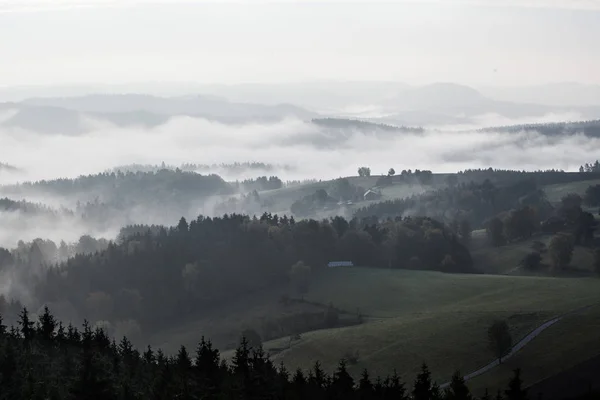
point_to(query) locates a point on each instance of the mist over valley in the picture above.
(299, 200)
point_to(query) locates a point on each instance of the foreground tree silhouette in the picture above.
(365, 387)
(342, 384)
(515, 389)
(72, 365)
(500, 340)
(457, 390)
(423, 388)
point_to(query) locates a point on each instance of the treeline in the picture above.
(344, 123)
(589, 128)
(45, 252)
(473, 202)
(29, 208)
(7, 167)
(237, 167)
(590, 167)
(232, 168)
(153, 279)
(251, 204)
(126, 187)
(114, 199)
(28, 262)
(43, 359)
(416, 177)
(259, 184)
(506, 177)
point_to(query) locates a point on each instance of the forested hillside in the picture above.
(589, 128)
(160, 276)
(118, 186)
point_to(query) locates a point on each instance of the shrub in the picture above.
(531, 261)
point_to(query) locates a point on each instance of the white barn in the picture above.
(335, 264)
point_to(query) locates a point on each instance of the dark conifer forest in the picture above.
(43, 359)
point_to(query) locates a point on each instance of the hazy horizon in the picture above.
(469, 42)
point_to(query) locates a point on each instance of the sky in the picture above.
(477, 42)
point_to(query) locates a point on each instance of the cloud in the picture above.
(7, 6)
(315, 153)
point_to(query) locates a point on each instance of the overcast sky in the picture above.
(472, 42)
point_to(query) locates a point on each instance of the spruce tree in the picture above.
(515, 389)
(47, 325)
(342, 384)
(208, 371)
(299, 385)
(395, 388)
(365, 387)
(486, 396)
(458, 390)
(26, 325)
(422, 389)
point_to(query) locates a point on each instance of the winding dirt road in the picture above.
(519, 345)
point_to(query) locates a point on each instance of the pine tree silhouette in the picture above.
(515, 389)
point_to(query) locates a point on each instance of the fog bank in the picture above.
(313, 152)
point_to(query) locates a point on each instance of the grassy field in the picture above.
(414, 317)
(555, 192)
(506, 259)
(224, 324)
(567, 343)
(284, 197)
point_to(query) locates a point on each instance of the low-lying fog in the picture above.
(314, 152)
(310, 151)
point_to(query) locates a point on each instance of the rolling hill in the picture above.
(413, 317)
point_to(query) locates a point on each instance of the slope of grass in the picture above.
(567, 343)
(224, 324)
(555, 192)
(414, 317)
(506, 259)
(410, 317)
(284, 197)
(383, 293)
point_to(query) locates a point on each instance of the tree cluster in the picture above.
(406, 177)
(364, 171)
(261, 183)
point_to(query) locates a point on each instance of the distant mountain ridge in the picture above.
(68, 115)
(398, 105)
(553, 94)
(193, 105)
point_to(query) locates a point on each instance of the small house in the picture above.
(372, 195)
(335, 264)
